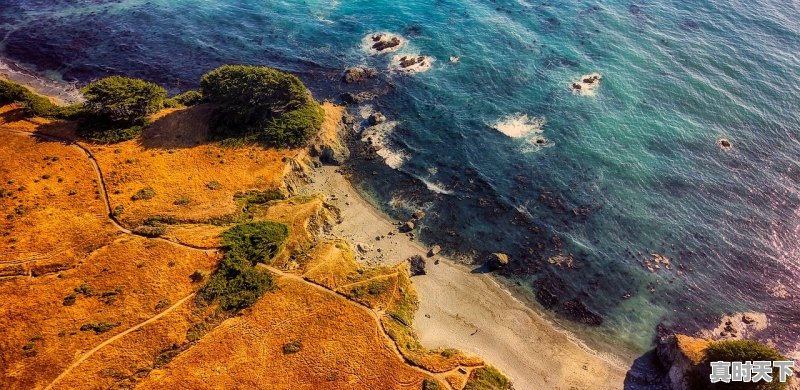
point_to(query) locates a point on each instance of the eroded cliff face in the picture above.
(681, 356)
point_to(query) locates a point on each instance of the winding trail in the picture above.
(375, 315)
(115, 338)
(102, 185)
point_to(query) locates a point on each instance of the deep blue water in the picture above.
(633, 170)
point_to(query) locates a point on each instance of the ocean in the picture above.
(583, 189)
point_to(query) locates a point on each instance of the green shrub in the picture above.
(487, 378)
(34, 104)
(256, 241)
(197, 276)
(237, 284)
(739, 351)
(292, 347)
(123, 99)
(104, 132)
(260, 103)
(430, 384)
(146, 193)
(182, 201)
(150, 231)
(259, 197)
(186, 99)
(69, 300)
(100, 327)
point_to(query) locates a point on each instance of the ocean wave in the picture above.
(49, 86)
(519, 125)
(379, 136)
(436, 187)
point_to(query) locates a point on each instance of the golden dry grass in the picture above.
(341, 348)
(51, 213)
(193, 179)
(143, 271)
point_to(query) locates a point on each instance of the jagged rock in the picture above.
(417, 265)
(358, 74)
(419, 214)
(724, 143)
(434, 250)
(407, 227)
(681, 356)
(376, 118)
(497, 261)
(381, 44)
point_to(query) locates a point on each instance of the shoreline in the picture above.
(469, 311)
(59, 91)
(531, 349)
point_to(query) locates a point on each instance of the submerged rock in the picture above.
(356, 98)
(724, 143)
(577, 311)
(418, 265)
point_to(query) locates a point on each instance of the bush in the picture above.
(100, 327)
(188, 98)
(292, 347)
(34, 104)
(237, 284)
(430, 384)
(256, 241)
(261, 103)
(150, 231)
(122, 99)
(146, 193)
(739, 351)
(487, 378)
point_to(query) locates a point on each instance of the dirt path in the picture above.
(103, 191)
(115, 338)
(375, 315)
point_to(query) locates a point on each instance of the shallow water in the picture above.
(633, 170)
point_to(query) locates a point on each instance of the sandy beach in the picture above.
(470, 311)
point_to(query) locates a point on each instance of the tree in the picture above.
(740, 351)
(123, 100)
(261, 103)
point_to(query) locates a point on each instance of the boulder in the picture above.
(381, 44)
(376, 118)
(407, 227)
(358, 74)
(363, 248)
(419, 214)
(417, 264)
(497, 261)
(434, 250)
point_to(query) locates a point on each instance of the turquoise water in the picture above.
(635, 169)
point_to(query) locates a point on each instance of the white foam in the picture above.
(379, 136)
(436, 187)
(519, 125)
(50, 85)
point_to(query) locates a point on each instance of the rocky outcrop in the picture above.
(384, 41)
(577, 311)
(681, 356)
(328, 146)
(358, 74)
(497, 261)
(406, 227)
(417, 265)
